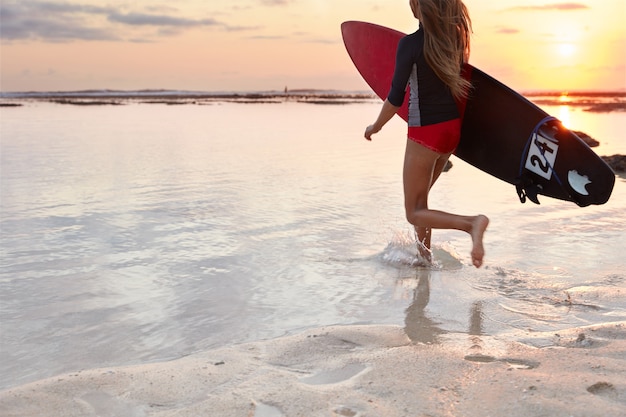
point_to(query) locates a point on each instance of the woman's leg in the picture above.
(423, 234)
(422, 167)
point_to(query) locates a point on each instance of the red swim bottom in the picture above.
(441, 137)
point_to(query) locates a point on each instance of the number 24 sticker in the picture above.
(541, 156)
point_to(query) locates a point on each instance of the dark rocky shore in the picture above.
(616, 162)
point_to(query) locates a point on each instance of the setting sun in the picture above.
(566, 49)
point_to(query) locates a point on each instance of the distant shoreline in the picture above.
(592, 101)
(178, 94)
(85, 98)
(295, 91)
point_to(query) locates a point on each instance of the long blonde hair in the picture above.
(447, 30)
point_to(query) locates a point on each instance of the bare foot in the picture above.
(479, 225)
(424, 254)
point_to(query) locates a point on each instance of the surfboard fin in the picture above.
(528, 190)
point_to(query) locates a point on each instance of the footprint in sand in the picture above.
(345, 412)
(603, 389)
(512, 362)
(335, 376)
(264, 410)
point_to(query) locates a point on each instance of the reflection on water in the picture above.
(476, 319)
(421, 328)
(418, 326)
(147, 232)
(565, 117)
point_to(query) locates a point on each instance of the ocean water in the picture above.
(146, 232)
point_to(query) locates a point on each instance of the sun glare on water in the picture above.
(564, 113)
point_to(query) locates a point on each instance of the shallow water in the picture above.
(148, 232)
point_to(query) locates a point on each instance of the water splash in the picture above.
(404, 250)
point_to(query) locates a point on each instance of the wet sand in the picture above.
(355, 371)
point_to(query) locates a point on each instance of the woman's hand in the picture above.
(370, 130)
(386, 113)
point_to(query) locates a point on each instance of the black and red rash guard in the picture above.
(430, 101)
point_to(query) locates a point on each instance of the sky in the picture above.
(264, 45)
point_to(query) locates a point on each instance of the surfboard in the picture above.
(502, 132)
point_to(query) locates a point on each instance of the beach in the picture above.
(224, 258)
(354, 371)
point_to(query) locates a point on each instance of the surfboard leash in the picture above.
(526, 186)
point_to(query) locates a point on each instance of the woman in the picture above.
(430, 60)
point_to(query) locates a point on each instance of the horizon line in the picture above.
(147, 92)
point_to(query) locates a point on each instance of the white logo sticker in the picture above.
(578, 182)
(541, 156)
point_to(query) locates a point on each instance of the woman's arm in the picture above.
(405, 58)
(386, 113)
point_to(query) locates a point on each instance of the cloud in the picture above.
(322, 41)
(52, 30)
(275, 2)
(142, 19)
(306, 37)
(266, 37)
(53, 21)
(550, 7)
(62, 21)
(230, 28)
(52, 7)
(507, 31)
(300, 37)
